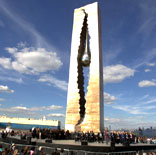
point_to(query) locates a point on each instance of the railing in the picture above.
(123, 153)
(50, 150)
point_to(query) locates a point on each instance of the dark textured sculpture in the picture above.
(83, 60)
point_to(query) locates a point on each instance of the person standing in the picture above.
(106, 134)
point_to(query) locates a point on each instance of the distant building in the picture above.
(28, 123)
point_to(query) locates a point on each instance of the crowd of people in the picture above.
(27, 150)
(12, 150)
(46, 133)
(118, 137)
(39, 133)
(106, 136)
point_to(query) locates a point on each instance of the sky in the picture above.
(35, 42)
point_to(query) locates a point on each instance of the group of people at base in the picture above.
(56, 134)
(50, 133)
(106, 136)
(122, 137)
(117, 137)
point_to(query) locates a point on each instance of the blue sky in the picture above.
(35, 40)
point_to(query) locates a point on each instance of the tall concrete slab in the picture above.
(85, 112)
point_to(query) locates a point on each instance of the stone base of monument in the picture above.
(78, 128)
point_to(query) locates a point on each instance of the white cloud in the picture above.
(112, 120)
(26, 111)
(135, 110)
(11, 50)
(5, 89)
(43, 108)
(20, 108)
(109, 99)
(111, 54)
(53, 81)
(6, 63)
(147, 70)
(117, 73)
(21, 68)
(148, 18)
(22, 44)
(145, 26)
(2, 99)
(150, 101)
(146, 83)
(151, 107)
(149, 55)
(52, 107)
(38, 60)
(17, 111)
(31, 60)
(56, 115)
(6, 78)
(143, 97)
(151, 64)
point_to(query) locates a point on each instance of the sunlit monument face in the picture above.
(85, 110)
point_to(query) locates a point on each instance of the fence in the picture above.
(50, 150)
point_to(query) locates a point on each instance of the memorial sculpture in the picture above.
(85, 110)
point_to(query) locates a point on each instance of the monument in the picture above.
(85, 111)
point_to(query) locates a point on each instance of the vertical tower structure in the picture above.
(85, 112)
